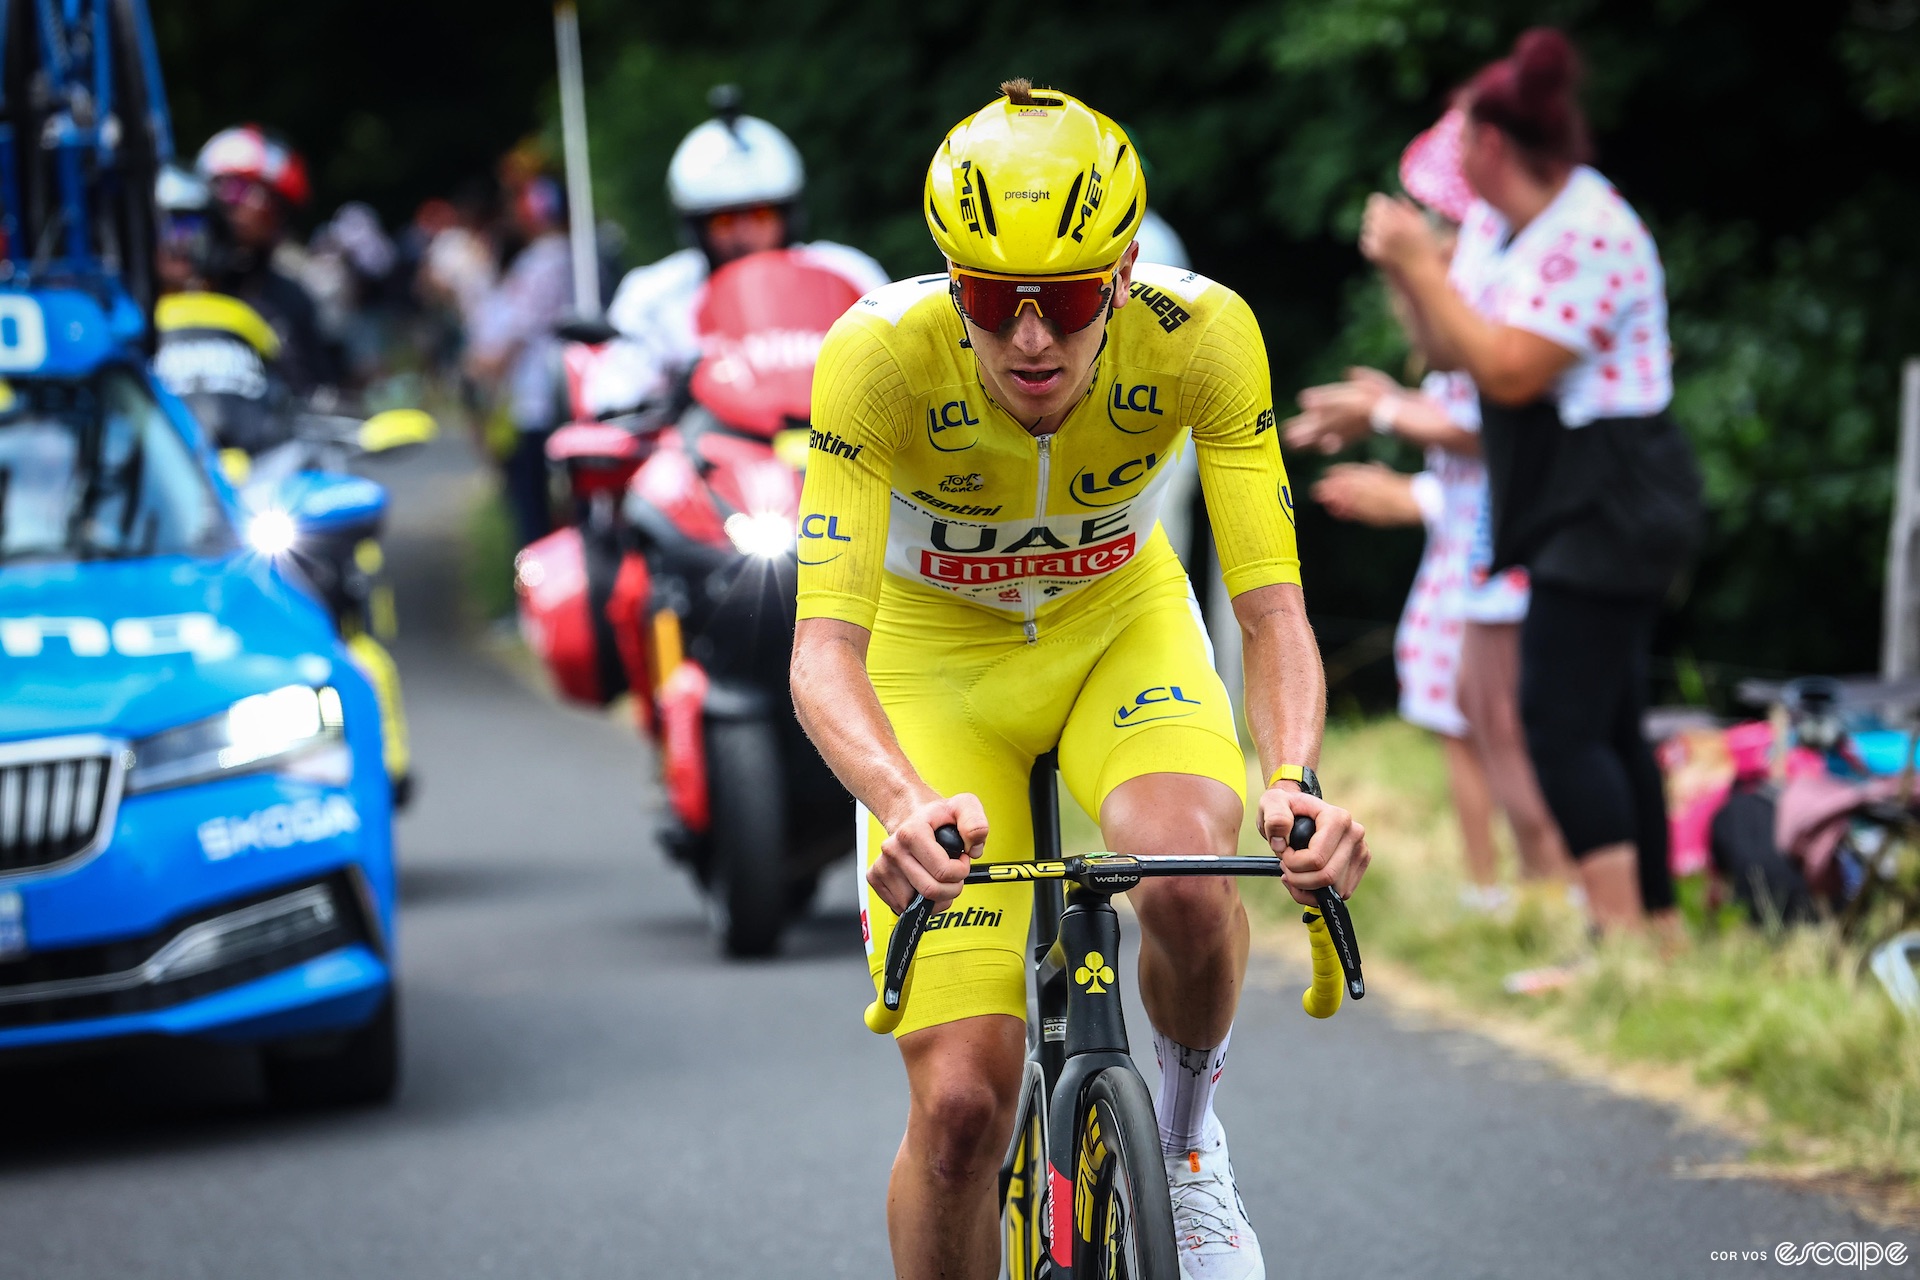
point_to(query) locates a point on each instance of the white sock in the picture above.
(1188, 1078)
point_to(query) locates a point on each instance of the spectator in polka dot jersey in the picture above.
(1554, 303)
(1451, 596)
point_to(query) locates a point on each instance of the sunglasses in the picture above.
(752, 218)
(993, 301)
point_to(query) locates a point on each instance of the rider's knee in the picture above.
(1186, 905)
(1164, 814)
(964, 1124)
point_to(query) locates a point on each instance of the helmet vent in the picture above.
(986, 201)
(1126, 219)
(1066, 209)
(934, 213)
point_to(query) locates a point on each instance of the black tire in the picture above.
(1126, 1227)
(747, 800)
(357, 1068)
(801, 891)
(1023, 1187)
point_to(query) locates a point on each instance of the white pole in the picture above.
(1900, 639)
(573, 128)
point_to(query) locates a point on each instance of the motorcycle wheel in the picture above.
(747, 885)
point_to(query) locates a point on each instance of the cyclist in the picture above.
(257, 181)
(983, 578)
(736, 182)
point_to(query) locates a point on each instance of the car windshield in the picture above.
(94, 470)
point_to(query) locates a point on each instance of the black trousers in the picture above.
(525, 477)
(1583, 694)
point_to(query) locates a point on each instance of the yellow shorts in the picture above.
(1125, 687)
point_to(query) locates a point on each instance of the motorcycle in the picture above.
(217, 355)
(678, 583)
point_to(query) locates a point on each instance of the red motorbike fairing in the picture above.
(550, 585)
(671, 484)
(683, 754)
(599, 457)
(626, 610)
(761, 322)
(747, 477)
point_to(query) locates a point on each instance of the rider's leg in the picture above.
(963, 1081)
(1193, 930)
(1151, 749)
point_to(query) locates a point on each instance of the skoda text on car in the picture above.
(195, 823)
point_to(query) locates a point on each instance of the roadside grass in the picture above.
(489, 559)
(1822, 1067)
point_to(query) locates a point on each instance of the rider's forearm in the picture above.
(842, 715)
(1286, 687)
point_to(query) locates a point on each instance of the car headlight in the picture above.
(293, 730)
(766, 534)
(272, 533)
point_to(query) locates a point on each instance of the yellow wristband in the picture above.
(1300, 773)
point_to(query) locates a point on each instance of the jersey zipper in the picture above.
(1031, 593)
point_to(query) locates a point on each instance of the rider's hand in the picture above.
(911, 861)
(1337, 854)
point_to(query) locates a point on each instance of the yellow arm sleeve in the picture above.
(1249, 501)
(860, 407)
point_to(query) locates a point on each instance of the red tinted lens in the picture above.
(991, 303)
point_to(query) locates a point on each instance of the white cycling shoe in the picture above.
(1209, 1223)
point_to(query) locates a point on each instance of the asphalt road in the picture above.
(590, 1092)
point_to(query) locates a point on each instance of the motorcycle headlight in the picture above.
(766, 534)
(294, 730)
(272, 533)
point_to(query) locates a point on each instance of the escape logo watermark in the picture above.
(1857, 1254)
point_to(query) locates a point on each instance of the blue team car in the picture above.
(195, 820)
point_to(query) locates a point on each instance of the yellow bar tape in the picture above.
(1322, 999)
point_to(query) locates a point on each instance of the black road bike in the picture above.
(1083, 1188)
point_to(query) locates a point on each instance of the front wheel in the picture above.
(1122, 1215)
(746, 794)
(1023, 1186)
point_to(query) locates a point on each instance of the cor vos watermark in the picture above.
(1856, 1255)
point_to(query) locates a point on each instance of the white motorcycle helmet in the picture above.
(733, 161)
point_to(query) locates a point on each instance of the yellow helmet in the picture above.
(1035, 183)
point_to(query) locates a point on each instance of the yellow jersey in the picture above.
(920, 489)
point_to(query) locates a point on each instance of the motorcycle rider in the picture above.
(257, 181)
(736, 182)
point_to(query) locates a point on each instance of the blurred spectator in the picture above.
(512, 349)
(736, 181)
(257, 181)
(350, 269)
(1555, 305)
(1486, 755)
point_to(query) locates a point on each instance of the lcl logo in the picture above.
(1091, 490)
(1133, 409)
(947, 419)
